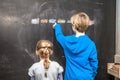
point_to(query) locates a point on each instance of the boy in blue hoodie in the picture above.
(80, 51)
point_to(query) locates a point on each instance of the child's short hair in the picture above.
(80, 21)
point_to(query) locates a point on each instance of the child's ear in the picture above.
(73, 28)
(37, 53)
(51, 52)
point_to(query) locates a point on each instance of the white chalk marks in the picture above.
(45, 20)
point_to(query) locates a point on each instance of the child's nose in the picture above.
(46, 48)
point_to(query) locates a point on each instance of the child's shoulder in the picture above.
(55, 63)
(36, 64)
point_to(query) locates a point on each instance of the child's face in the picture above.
(45, 51)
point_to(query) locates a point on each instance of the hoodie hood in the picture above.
(77, 45)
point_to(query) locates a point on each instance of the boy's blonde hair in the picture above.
(80, 21)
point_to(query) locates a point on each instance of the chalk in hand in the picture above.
(54, 24)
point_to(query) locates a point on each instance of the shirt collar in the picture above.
(79, 34)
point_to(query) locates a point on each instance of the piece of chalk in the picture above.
(61, 21)
(44, 21)
(35, 21)
(68, 21)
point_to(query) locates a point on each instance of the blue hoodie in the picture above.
(81, 56)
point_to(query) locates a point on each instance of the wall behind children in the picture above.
(18, 35)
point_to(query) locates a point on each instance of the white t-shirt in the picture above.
(37, 70)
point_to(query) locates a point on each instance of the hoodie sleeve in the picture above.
(59, 34)
(93, 60)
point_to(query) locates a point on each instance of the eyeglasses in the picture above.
(46, 47)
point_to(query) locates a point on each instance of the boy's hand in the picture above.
(54, 25)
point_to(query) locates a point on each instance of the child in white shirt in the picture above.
(45, 69)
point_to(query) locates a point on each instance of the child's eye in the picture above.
(43, 47)
(47, 47)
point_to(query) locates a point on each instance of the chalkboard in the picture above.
(18, 35)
